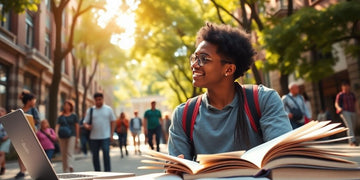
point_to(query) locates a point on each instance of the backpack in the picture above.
(251, 105)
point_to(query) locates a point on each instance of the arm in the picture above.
(52, 134)
(178, 142)
(86, 120)
(145, 125)
(112, 126)
(337, 105)
(274, 120)
(57, 130)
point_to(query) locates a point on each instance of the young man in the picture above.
(346, 105)
(102, 130)
(223, 54)
(152, 119)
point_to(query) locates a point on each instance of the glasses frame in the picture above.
(202, 59)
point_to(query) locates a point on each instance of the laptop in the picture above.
(33, 156)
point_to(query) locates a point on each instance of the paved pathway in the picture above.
(127, 164)
(131, 162)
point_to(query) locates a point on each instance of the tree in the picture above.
(19, 6)
(316, 31)
(63, 49)
(165, 39)
(245, 21)
(92, 45)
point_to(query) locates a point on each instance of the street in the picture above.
(131, 162)
(127, 164)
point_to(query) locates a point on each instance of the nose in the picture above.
(196, 64)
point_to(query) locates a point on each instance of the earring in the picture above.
(225, 74)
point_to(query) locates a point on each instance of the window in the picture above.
(3, 85)
(282, 4)
(29, 82)
(29, 30)
(47, 46)
(5, 21)
(48, 17)
(48, 5)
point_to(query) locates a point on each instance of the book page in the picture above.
(191, 165)
(258, 153)
(214, 157)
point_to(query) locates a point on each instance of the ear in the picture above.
(229, 69)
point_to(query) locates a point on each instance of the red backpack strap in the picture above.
(190, 112)
(252, 107)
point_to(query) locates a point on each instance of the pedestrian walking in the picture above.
(166, 125)
(29, 101)
(346, 105)
(295, 106)
(152, 120)
(4, 144)
(67, 129)
(102, 130)
(121, 128)
(135, 129)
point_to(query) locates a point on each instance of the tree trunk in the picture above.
(54, 90)
(284, 82)
(256, 74)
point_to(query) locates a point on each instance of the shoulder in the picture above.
(178, 113)
(105, 106)
(266, 92)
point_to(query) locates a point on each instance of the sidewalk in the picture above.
(131, 162)
(127, 164)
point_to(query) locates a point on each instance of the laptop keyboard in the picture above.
(74, 175)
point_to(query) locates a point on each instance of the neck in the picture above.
(26, 108)
(221, 96)
(66, 113)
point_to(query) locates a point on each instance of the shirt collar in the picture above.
(233, 103)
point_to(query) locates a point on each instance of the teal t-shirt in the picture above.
(153, 118)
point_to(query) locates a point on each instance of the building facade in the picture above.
(27, 42)
(322, 94)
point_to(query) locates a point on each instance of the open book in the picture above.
(292, 150)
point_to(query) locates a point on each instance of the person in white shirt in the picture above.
(102, 130)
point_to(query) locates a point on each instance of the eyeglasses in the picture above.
(202, 59)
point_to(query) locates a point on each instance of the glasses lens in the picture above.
(202, 59)
(193, 59)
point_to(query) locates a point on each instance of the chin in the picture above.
(198, 84)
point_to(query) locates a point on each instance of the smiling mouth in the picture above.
(197, 74)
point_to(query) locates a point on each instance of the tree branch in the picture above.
(227, 12)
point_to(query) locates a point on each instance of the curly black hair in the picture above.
(232, 44)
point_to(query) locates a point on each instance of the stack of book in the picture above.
(296, 154)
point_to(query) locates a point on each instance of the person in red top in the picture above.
(122, 125)
(47, 137)
(345, 105)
